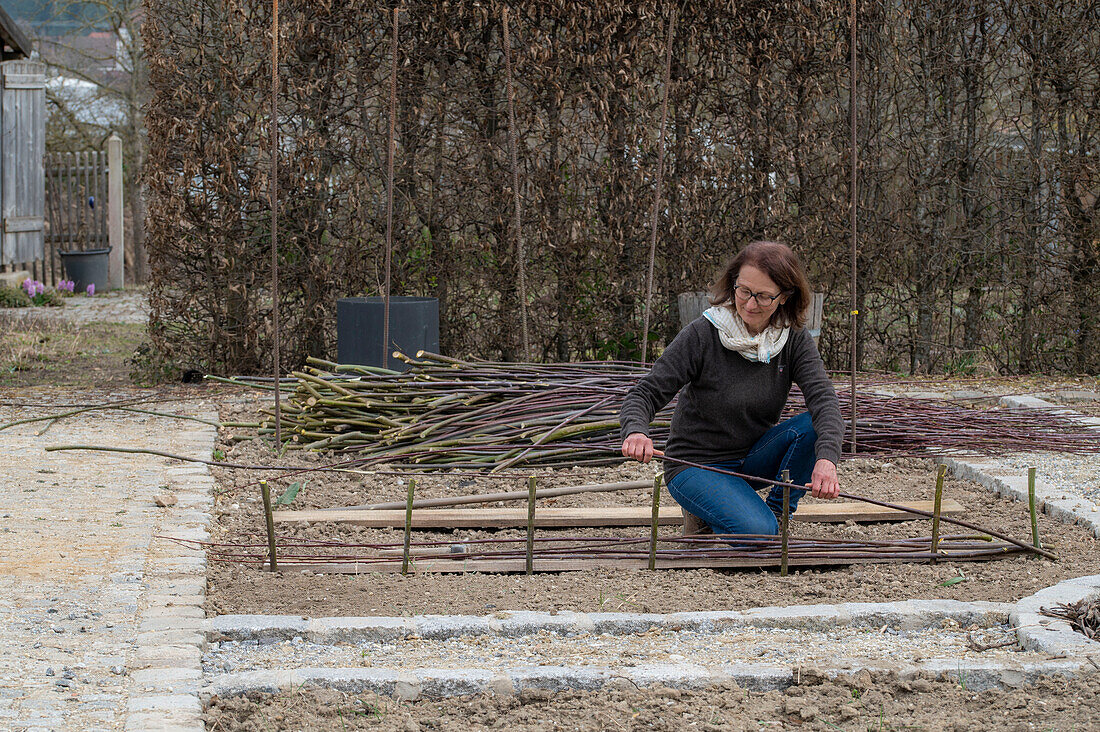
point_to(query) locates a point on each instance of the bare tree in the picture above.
(103, 52)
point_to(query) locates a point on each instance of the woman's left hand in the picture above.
(824, 483)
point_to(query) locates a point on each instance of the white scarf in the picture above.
(735, 336)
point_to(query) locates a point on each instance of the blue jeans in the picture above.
(731, 505)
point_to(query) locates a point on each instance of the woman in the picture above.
(735, 365)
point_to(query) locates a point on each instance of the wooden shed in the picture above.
(22, 148)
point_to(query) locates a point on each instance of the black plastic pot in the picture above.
(414, 326)
(85, 268)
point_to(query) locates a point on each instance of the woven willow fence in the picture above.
(977, 128)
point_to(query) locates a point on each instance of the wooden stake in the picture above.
(1031, 507)
(784, 522)
(653, 523)
(270, 519)
(941, 470)
(531, 524)
(408, 527)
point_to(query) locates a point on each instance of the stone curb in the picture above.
(431, 683)
(166, 661)
(907, 615)
(1037, 632)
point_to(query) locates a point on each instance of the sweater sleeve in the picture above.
(808, 371)
(677, 366)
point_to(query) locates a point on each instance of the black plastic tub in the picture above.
(414, 326)
(88, 267)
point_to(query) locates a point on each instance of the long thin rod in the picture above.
(854, 202)
(872, 501)
(657, 187)
(521, 254)
(274, 192)
(389, 196)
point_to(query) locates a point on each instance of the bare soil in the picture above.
(246, 588)
(865, 702)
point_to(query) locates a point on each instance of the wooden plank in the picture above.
(432, 565)
(815, 315)
(562, 518)
(836, 512)
(497, 518)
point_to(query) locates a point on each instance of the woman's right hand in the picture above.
(638, 446)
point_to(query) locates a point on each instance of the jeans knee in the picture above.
(764, 524)
(803, 427)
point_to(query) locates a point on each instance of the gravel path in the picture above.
(76, 568)
(777, 646)
(121, 306)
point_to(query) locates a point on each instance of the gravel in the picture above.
(779, 646)
(1072, 476)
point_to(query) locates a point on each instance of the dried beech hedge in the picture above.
(978, 126)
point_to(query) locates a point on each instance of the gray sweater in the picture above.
(728, 402)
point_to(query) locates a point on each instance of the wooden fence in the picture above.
(76, 206)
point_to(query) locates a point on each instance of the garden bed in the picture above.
(879, 701)
(248, 588)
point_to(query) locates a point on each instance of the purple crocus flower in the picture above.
(90, 290)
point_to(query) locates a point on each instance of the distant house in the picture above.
(22, 149)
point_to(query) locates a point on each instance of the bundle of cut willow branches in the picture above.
(449, 413)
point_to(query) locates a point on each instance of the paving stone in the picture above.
(170, 623)
(166, 676)
(175, 611)
(165, 703)
(172, 637)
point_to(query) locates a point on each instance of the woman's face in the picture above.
(752, 297)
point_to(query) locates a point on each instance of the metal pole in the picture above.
(389, 195)
(658, 185)
(274, 193)
(521, 254)
(855, 162)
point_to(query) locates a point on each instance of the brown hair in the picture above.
(782, 266)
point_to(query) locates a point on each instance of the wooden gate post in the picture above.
(116, 264)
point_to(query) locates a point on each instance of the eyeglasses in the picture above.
(765, 301)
